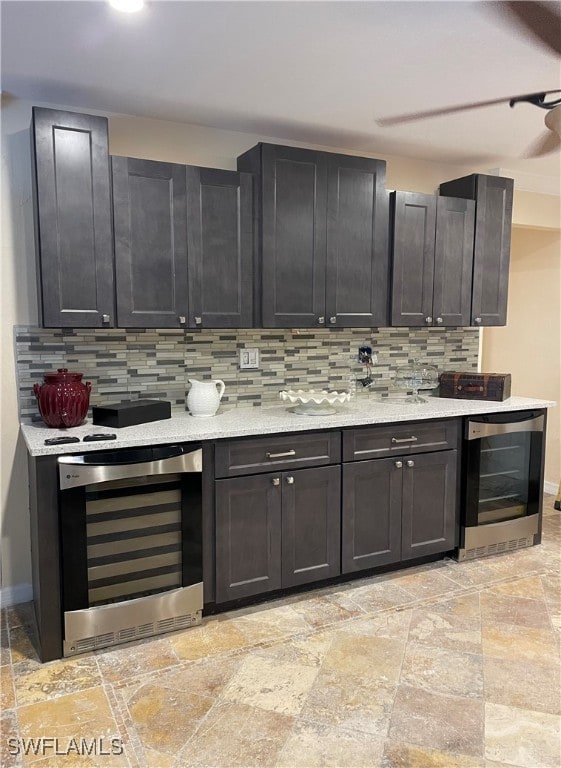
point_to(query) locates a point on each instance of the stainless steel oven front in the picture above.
(502, 482)
(131, 544)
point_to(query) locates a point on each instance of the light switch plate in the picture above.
(249, 357)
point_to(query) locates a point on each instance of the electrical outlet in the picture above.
(249, 358)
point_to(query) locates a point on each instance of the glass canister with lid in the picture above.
(414, 377)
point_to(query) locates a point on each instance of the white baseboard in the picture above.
(19, 593)
(550, 488)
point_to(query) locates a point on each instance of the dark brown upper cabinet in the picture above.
(183, 245)
(493, 196)
(322, 237)
(432, 260)
(72, 193)
(149, 209)
(136, 243)
(357, 242)
(220, 248)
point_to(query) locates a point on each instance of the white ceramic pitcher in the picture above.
(203, 398)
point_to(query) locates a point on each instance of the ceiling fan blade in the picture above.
(546, 143)
(543, 20)
(408, 118)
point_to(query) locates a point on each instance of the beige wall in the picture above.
(134, 137)
(199, 145)
(529, 346)
(536, 211)
(18, 304)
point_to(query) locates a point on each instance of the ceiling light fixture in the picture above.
(127, 6)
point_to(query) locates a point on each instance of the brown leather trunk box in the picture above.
(475, 386)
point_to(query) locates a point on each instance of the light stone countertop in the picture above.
(242, 422)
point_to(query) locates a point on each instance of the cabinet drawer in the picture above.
(247, 457)
(403, 439)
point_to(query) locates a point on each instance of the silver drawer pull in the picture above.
(411, 439)
(291, 452)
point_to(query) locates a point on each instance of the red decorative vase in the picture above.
(63, 399)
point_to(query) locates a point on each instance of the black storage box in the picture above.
(131, 412)
(475, 386)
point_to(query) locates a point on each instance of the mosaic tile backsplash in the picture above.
(133, 364)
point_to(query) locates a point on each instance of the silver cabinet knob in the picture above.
(428, 320)
(290, 480)
(276, 481)
(332, 320)
(410, 463)
(399, 464)
(439, 320)
(321, 320)
(182, 319)
(105, 319)
(477, 320)
(198, 320)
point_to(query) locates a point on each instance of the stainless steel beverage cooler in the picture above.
(503, 480)
(131, 538)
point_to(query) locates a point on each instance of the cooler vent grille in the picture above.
(495, 549)
(85, 644)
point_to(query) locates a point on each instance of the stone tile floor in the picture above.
(447, 665)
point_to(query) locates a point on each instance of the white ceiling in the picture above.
(318, 72)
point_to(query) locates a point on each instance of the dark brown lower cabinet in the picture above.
(398, 509)
(428, 522)
(248, 536)
(371, 514)
(275, 530)
(311, 525)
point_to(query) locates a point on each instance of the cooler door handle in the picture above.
(478, 429)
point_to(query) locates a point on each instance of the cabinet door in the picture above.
(453, 261)
(357, 242)
(413, 258)
(491, 253)
(73, 219)
(491, 256)
(293, 217)
(311, 525)
(248, 536)
(429, 504)
(371, 514)
(150, 243)
(220, 247)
